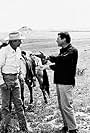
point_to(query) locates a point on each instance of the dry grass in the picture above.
(47, 118)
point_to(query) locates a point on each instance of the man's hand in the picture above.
(21, 79)
(47, 57)
(43, 67)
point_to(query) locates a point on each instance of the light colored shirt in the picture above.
(9, 61)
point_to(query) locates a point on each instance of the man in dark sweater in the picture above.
(64, 77)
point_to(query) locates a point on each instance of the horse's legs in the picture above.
(31, 95)
(44, 94)
(40, 80)
(31, 92)
(22, 92)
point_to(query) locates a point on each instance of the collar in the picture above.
(11, 49)
(65, 49)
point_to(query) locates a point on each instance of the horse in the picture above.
(31, 64)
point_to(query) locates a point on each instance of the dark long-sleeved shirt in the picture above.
(65, 65)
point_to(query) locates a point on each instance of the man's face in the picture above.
(15, 44)
(60, 41)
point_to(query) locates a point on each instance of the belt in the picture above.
(14, 74)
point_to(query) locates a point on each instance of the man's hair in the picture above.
(11, 41)
(65, 35)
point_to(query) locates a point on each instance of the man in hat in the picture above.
(9, 68)
(64, 78)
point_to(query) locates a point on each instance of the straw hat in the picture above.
(15, 36)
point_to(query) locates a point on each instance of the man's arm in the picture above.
(2, 63)
(64, 57)
(52, 58)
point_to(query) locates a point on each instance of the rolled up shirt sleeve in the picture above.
(2, 63)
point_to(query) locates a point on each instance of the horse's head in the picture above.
(27, 67)
(23, 52)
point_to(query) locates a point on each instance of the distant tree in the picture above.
(24, 28)
(25, 31)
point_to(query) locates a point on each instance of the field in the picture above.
(46, 118)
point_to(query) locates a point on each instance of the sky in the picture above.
(44, 14)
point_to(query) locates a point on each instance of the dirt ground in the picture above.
(46, 118)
